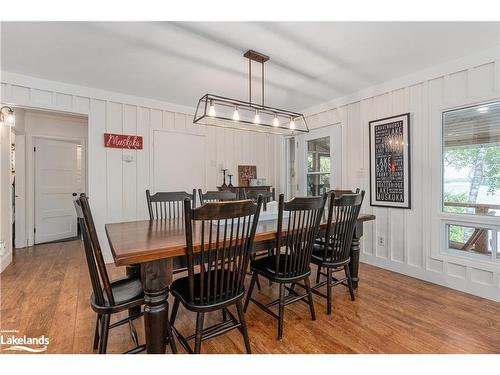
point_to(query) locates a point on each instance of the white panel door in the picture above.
(178, 161)
(319, 160)
(58, 180)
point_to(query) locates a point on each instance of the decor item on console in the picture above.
(214, 110)
(230, 180)
(246, 173)
(224, 177)
(390, 178)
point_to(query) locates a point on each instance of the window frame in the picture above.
(440, 218)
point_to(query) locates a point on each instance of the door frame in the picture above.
(30, 183)
(334, 131)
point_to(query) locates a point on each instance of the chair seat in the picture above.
(125, 291)
(267, 267)
(317, 258)
(180, 289)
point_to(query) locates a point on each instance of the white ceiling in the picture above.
(311, 63)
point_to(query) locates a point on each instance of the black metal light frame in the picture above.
(203, 117)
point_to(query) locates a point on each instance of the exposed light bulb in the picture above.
(236, 114)
(292, 124)
(211, 110)
(276, 122)
(483, 109)
(256, 119)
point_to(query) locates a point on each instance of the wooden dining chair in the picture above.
(109, 296)
(267, 195)
(290, 261)
(219, 236)
(334, 252)
(168, 204)
(216, 196)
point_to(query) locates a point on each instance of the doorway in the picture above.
(319, 160)
(50, 172)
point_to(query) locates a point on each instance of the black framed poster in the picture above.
(390, 179)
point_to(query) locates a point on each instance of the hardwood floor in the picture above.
(46, 290)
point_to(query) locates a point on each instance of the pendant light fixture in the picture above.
(215, 110)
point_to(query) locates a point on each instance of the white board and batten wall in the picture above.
(117, 179)
(407, 241)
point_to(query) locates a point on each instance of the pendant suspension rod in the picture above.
(250, 81)
(262, 84)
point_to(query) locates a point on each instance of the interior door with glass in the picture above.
(320, 161)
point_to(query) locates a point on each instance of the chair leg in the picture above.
(199, 331)
(281, 311)
(224, 315)
(307, 284)
(250, 290)
(171, 338)
(318, 274)
(96, 334)
(349, 281)
(175, 307)
(104, 333)
(329, 290)
(243, 328)
(258, 284)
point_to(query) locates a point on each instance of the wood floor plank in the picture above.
(46, 291)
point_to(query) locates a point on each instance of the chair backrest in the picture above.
(168, 204)
(219, 236)
(294, 249)
(343, 214)
(216, 196)
(95, 261)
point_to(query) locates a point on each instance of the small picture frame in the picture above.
(390, 165)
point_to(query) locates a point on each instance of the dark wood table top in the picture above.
(142, 241)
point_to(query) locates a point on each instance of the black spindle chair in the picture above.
(216, 196)
(219, 237)
(253, 194)
(291, 258)
(334, 252)
(321, 240)
(170, 205)
(109, 296)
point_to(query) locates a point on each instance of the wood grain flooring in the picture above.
(45, 291)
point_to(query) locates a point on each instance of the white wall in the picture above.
(409, 246)
(31, 125)
(116, 189)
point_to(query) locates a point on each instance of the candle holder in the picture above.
(230, 180)
(224, 177)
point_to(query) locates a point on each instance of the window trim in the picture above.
(440, 218)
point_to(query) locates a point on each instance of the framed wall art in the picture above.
(390, 176)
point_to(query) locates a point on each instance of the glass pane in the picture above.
(472, 239)
(318, 184)
(318, 155)
(471, 160)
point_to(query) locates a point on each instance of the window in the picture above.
(318, 166)
(471, 180)
(473, 239)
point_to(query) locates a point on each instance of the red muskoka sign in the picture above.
(132, 142)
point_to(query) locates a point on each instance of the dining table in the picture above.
(147, 249)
